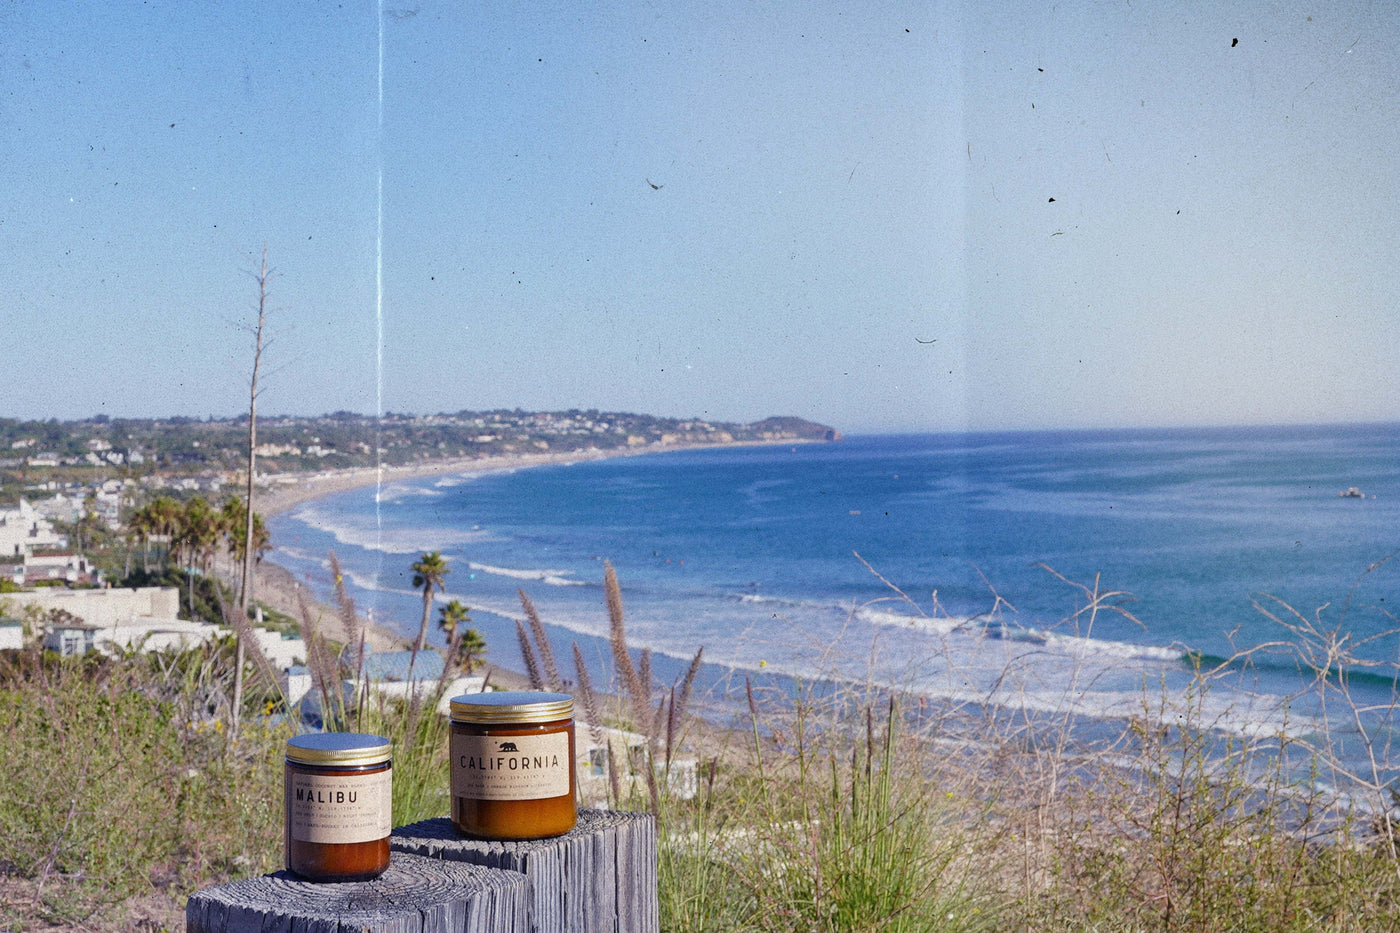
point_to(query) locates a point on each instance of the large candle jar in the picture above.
(513, 765)
(339, 806)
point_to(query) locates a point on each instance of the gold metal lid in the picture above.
(522, 706)
(339, 748)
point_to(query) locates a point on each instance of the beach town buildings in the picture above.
(50, 569)
(70, 638)
(31, 550)
(117, 621)
(70, 504)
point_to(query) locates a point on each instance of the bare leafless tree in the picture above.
(246, 584)
(245, 589)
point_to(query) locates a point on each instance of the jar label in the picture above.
(510, 767)
(340, 808)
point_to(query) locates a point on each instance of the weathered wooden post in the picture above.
(600, 877)
(415, 895)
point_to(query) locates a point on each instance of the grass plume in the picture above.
(527, 655)
(549, 670)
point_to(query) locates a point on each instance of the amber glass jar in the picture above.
(513, 765)
(339, 811)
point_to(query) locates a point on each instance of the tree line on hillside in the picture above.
(192, 535)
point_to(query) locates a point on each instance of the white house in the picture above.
(150, 635)
(109, 608)
(123, 619)
(23, 531)
(282, 651)
(70, 568)
(61, 507)
(104, 500)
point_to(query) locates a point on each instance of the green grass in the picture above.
(111, 792)
(848, 834)
(122, 779)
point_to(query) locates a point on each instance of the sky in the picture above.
(881, 216)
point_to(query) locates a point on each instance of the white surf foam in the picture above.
(1079, 647)
(547, 577)
(395, 540)
(397, 491)
(1074, 647)
(759, 600)
(929, 625)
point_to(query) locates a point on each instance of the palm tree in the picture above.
(197, 537)
(428, 573)
(450, 616)
(470, 650)
(230, 527)
(140, 527)
(262, 540)
(164, 517)
(234, 525)
(469, 646)
(199, 533)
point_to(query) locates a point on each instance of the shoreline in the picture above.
(277, 586)
(282, 492)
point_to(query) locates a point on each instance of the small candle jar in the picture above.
(513, 765)
(339, 810)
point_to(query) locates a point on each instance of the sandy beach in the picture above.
(279, 492)
(283, 491)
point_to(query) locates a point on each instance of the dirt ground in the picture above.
(157, 912)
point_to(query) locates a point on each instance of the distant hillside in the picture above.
(38, 450)
(788, 426)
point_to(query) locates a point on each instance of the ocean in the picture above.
(960, 567)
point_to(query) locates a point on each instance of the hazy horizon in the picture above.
(851, 432)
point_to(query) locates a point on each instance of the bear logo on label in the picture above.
(508, 747)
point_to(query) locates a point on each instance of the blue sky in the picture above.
(852, 219)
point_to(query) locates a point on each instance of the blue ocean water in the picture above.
(994, 542)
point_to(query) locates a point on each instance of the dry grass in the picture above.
(835, 807)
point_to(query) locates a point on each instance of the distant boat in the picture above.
(1352, 493)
